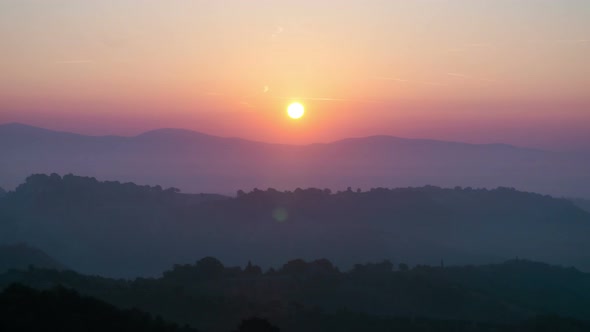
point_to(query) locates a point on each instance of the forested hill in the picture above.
(64, 310)
(21, 256)
(87, 189)
(122, 229)
(316, 296)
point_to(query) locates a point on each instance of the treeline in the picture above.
(91, 187)
(84, 188)
(300, 295)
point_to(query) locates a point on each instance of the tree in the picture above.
(256, 324)
(294, 267)
(210, 268)
(172, 190)
(252, 270)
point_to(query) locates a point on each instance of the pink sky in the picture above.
(466, 70)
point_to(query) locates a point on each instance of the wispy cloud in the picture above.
(396, 79)
(246, 104)
(454, 50)
(344, 99)
(458, 75)
(329, 99)
(572, 41)
(74, 62)
(488, 80)
(432, 83)
(480, 45)
(402, 80)
(120, 41)
(565, 41)
(469, 47)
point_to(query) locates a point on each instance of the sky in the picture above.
(475, 71)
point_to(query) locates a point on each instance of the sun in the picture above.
(295, 110)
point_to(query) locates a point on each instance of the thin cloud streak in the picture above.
(488, 80)
(379, 78)
(458, 75)
(74, 62)
(572, 41)
(395, 79)
(333, 99)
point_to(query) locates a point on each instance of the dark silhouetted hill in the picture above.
(256, 324)
(197, 162)
(517, 295)
(60, 309)
(123, 229)
(22, 256)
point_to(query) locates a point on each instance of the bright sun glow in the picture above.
(295, 110)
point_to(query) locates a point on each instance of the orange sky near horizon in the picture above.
(468, 70)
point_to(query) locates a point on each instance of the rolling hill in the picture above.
(517, 295)
(22, 256)
(124, 229)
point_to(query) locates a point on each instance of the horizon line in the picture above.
(423, 139)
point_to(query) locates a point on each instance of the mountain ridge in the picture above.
(199, 162)
(196, 133)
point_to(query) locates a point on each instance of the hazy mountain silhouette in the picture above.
(197, 162)
(22, 256)
(123, 229)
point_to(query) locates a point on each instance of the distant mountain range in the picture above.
(195, 162)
